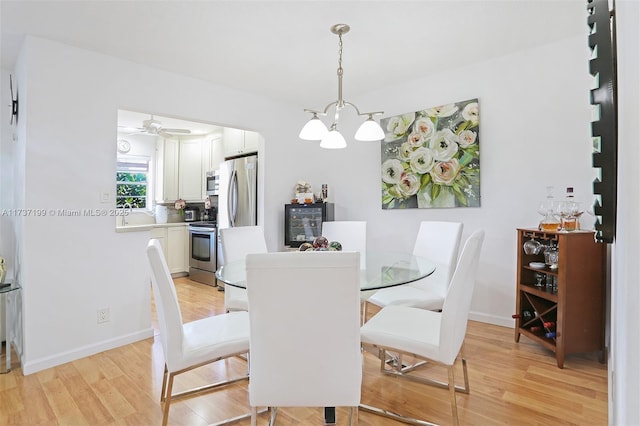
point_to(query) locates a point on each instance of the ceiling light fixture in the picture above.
(331, 138)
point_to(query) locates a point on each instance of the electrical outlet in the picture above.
(103, 315)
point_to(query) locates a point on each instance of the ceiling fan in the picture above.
(154, 127)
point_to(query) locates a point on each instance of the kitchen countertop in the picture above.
(148, 226)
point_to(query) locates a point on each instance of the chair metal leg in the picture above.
(163, 389)
(272, 419)
(396, 369)
(452, 395)
(167, 400)
(463, 359)
(353, 416)
(169, 396)
(254, 416)
(364, 312)
(395, 416)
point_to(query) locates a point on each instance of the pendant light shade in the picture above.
(369, 131)
(333, 140)
(315, 129)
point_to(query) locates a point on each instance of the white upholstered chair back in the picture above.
(455, 312)
(438, 242)
(167, 306)
(237, 242)
(305, 331)
(352, 234)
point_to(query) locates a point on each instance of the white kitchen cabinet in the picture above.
(212, 156)
(190, 180)
(174, 243)
(167, 173)
(160, 234)
(239, 142)
(177, 249)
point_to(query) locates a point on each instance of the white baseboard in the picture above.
(492, 319)
(105, 345)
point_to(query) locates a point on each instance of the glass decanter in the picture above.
(547, 208)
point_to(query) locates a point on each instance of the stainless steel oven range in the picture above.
(202, 252)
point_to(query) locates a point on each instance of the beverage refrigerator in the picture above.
(303, 222)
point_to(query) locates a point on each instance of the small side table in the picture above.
(7, 290)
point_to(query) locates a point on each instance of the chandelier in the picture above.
(331, 138)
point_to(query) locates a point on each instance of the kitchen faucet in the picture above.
(124, 215)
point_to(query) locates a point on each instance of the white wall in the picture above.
(73, 266)
(624, 391)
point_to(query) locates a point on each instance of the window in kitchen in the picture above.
(132, 177)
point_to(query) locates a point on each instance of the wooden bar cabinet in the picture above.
(562, 308)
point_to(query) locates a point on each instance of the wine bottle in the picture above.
(549, 324)
(535, 328)
(550, 335)
(525, 315)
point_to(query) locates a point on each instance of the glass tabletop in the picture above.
(378, 270)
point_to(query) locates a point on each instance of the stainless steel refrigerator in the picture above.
(237, 200)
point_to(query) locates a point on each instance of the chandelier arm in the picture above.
(326, 109)
(339, 30)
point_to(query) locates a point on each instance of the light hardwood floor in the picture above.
(510, 384)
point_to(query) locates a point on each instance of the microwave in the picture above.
(213, 184)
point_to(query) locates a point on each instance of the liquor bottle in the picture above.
(570, 211)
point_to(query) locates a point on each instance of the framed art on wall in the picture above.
(431, 158)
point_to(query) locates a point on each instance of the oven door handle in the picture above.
(193, 229)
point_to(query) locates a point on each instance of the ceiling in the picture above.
(284, 50)
(131, 123)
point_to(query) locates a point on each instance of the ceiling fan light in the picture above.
(369, 131)
(314, 130)
(333, 140)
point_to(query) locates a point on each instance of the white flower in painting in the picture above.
(421, 161)
(466, 138)
(408, 185)
(444, 145)
(399, 124)
(392, 171)
(415, 139)
(470, 112)
(405, 150)
(444, 173)
(442, 111)
(425, 127)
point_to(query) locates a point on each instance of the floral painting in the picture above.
(431, 158)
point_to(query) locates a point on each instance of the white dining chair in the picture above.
(236, 243)
(301, 354)
(351, 234)
(435, 337)
(439, 242)
(193, 344)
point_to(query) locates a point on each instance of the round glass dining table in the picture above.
(379, 269)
